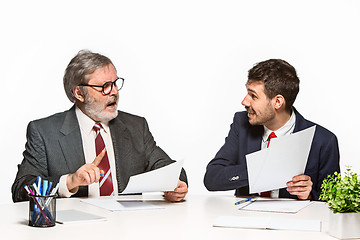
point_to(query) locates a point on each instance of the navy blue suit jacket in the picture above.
(228, 169)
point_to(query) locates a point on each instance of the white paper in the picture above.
(271, 168)
(121, 205)
(268, 223)
(158, 180)
(76, 216)
(276, 205)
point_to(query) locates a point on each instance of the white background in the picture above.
(185, 64)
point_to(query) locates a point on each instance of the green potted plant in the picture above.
(342, 195)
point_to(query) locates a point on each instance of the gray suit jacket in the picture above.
(54, 148)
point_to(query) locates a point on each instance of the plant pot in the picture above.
(344, 225)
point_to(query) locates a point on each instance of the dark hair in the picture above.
(279, 77)
(83, 64)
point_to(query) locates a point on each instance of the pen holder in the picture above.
(42, 211)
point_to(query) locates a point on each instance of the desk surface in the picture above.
(191, 219)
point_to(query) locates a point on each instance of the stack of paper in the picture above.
(271, 168)
(121, 205)
(268, 223)
(153, 181)
(275, 205)
(76, 216)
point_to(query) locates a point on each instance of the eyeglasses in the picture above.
(108, 86)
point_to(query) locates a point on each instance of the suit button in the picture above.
(234, 178)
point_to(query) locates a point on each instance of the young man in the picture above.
(93, 138)
(272, 88)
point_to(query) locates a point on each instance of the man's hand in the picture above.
(301, 186)
(86, 174)
(178, 194)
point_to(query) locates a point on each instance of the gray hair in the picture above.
(83, 64)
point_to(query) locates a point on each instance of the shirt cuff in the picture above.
(63, 190)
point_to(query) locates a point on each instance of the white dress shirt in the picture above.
(88, 143)
(287, 129)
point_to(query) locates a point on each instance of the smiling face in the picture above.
(260, 108)
(96, 105)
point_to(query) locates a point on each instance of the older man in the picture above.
(91, 149)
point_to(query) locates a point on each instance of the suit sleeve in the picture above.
(227, 170)
(329, 158)
(34, 164)
(155, 156)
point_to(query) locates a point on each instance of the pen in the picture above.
(49, 187)
(44, 187)
(102, 175)
(53, 191)
(38, 182)
(243, 201)
(27, 189)
(31, 192)
(36, 189)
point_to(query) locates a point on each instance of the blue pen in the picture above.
(243, 201)
(49, 187)
(44, 187)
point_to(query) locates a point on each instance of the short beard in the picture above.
(93, 110)
(262, 119)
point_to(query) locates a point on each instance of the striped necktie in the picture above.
(106, 186)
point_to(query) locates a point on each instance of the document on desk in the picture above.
(276, 205)
(158, 180)
(268, 223)
(76, 216)
(121, 205)
(271, 168)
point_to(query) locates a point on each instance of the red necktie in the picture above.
(268, 193)
(105, 184)
(272, 135)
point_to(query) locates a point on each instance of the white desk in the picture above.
(192, 219)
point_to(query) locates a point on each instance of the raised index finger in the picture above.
(99, 157)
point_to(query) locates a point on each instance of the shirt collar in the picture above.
(288, 128)
(86, 123)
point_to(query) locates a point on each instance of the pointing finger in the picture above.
(99, 157)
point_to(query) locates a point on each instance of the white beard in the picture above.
(97, 111)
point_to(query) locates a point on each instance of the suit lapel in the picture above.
(71, 142)
(254, 138)
(122, 145)
(301, 123)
